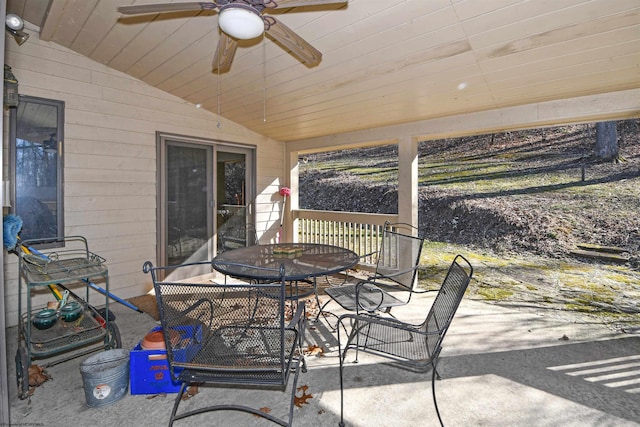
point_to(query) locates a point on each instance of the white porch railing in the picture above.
(360, 232)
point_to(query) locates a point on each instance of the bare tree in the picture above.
(606, 141)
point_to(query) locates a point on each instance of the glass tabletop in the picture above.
(300, 261)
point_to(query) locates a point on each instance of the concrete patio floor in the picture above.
(499, 367)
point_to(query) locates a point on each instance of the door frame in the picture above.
(162, 139)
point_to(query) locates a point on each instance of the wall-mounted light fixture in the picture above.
(14, 25)
(10, 98)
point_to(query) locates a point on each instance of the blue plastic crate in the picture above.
(149, 369)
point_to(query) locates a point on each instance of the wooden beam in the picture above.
(607, 106)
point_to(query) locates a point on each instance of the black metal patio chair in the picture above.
(392, 284)
(228, 337)
(413, 347)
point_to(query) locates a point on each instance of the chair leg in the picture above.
(183, 388)
(434, 373)
(342, 355)
(357, 330)
(294, 386)
(321, 306)
(341, 359)
(357, 333)
(301, 337)
(437, 374)
(241, 408)
(354, 332)
(325, 315)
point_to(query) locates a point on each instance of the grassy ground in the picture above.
(578, 291)
(535, 192)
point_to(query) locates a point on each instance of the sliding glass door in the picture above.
(206, 194)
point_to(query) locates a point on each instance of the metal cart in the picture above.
(66, 264)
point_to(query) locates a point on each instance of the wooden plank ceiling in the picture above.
(384, 61)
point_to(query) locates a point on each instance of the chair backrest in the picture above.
(447, 301)
(399, 254)
(230, 333)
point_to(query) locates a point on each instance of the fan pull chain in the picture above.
(264, 79)
(219, 125)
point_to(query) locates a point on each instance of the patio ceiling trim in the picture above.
(607, 106)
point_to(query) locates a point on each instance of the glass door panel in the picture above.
(188, 225)
(36, 135)
(233, 219)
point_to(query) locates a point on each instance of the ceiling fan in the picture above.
(244, 20)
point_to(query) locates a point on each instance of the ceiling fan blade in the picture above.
(281, 4)
(224, 53)
(167, 7)
(298, 46)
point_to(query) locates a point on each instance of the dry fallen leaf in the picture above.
(264, 409)
(302, 400)
(37, 375)
(191, 391)
(314, 350)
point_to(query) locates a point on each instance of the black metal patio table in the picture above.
(302, 262)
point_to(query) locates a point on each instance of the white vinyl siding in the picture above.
(111, 121)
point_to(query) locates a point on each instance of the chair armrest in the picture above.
(297, 316)
(424, 291)
(376, 280)
(368, 255)
(379, 287)
(390, 322)
(373, 289)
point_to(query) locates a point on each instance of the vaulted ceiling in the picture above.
(384, 61)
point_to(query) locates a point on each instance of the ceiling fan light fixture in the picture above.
(240, 21)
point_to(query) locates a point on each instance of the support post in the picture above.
(291, 171)
(408, 180)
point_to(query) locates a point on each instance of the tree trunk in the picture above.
(606, 141)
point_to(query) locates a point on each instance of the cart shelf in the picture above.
(64, 261)
(61, 266)
(65, 336)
